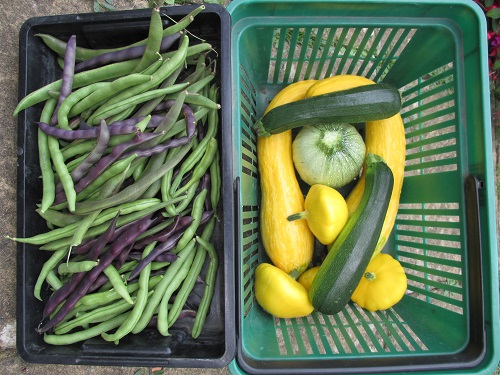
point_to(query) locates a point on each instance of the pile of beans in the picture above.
(131, 178)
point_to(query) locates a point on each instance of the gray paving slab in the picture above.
(13, 15)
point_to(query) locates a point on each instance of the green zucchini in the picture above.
(360, 104)
(348, 257)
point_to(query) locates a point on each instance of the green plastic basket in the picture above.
(445, 233)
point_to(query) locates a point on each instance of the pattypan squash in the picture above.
(382, 285)
(326, 213)
(280, 294)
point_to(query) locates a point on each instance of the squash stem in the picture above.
(298, 216)
(370, 276)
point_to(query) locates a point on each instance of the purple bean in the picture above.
(165, 257)
(67, 76)
(122, 257)
(125, 54)
(106, 161)
(190, 121)
(205, 184)
(164, 106)
(163, 247)
(119, 127)
(168, 244)
(62, 293)
(163, 235)
(187, 313)
(100, 281)
(94, 156)
(199, 129)
(69, 135)
(85, 247)
(188, 115)
(106, 259)
(157, 149)
(85, 133)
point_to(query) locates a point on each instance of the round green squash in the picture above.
(328, 154)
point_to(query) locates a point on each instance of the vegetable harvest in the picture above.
(328, 152)
(128, 240)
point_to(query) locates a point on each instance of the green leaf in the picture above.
(493, 13)
(496, 65)
(97, 6)
(488, 3)
(110, 2)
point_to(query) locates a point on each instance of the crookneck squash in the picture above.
(289, 244)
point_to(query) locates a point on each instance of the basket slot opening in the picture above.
(314, 53)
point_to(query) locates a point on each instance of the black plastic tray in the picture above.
(215, 347)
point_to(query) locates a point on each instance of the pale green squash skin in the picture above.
(329, 154)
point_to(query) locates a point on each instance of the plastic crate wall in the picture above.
(436, 64)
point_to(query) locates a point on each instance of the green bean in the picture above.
(196, 213)
(113, 109)
(155, 229)
(59, 219)
(62, 171)
(103, 298)
(201, 167)
(49, 265)
(190, 193)
(109, 188)
(72, 99)
(155, 266)
(80, 79)
(208, 290)
(106, 91)
(79, 147)
(180, 126)
(184, 22)
(117, 282)
(128, 266)
(215, 181)
(169, 66)
(154, 66)
(115, 169)
(192, 276)
(75, 267)
(97, 315)
(53, 280)
(198, 85)
(100, 225)
(201, 100)
(194, 157)
(159, 291)
(142, 299)
(148, 107)
(162, 324)
(106, 215)
(75, 162)
(154, 41)
(135, 189)
(141, 164)
(48, 184)
(85, 334)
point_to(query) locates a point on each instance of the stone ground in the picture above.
(13, 15)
